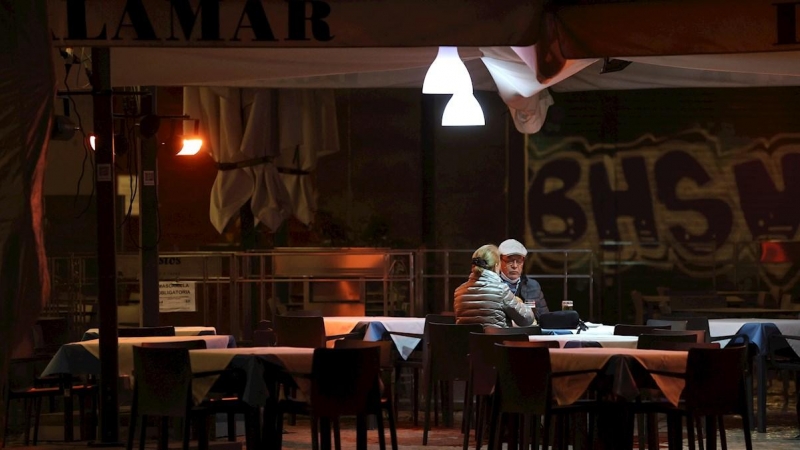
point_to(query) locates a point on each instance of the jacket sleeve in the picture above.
(516, 310)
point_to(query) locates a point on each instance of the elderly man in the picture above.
(512, 262)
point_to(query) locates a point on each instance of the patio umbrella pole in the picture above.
(106, 246)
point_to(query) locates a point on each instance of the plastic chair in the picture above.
(145, 331)
(528, 331)
(447, 360)
(482, 376)
(523, 388)
(781, 356)
(654, 341)
(387, 367)
(304, 331)
(163, 387)
(344, 381)
(636, 330)
(674, 325)
(699, 335)
(416, 361)
(26, 385)
(715, 387)
(264, 338)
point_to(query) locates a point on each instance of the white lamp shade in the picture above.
(447, 74)
(463, 110)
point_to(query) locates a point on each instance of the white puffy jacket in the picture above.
(486, 300)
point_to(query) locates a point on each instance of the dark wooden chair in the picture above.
(306, 331)
(654, 341)
(674, 325)
(532, 344)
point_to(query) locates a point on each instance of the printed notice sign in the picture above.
(176, 296)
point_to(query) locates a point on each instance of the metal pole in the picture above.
(105, 185)
(148, 219)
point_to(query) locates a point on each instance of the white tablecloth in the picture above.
(377, 326)
(604, 340)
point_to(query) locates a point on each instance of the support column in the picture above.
(105, 186)
(148, 219)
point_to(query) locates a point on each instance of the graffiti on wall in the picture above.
(692, 201)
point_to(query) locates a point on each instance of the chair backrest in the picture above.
(345, 381)
(523, 379)
(565, 320)
(448, 350)
(527, 331)
(638, 307)
(674, 325)
(264, 338)
(635, 330)
(145, 331)
(264, 325)
(699, 335)
(532, 344)
(162, 381)
(657, 341)
(49, 334)
(304, 313)
(715, 381)
(482, 359)
(385, 349)
(196, 344)
(300, 331)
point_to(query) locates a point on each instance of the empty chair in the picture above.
(163, 387)
(264, 325)
(447, 360)
(655, 341)
(523, 388)
(264, 338)
(674, 325)
(304, 331)
(344, 382)
(195, 344)
(416, 361)
(482, 376)
(529, 330)
(145, 331)
(715, 387)
(699, 335)
(387, 367)
(781, 356)
(635, 330)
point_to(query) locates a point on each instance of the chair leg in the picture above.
(723, 440)
(163, 434)
(27, 407)
(546, 431)
(37, 415)
(480, 406)
(381, 435)
(690, 432)
(132, 423)
(5, 423)
(337, 434)
(711, 433)
(415, 396)
(187, 432)
(427, 411)
(231, 427)
(392, 426)
(467, 417)
(699, 424)
(142, 432)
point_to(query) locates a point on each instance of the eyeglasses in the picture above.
(514, 261)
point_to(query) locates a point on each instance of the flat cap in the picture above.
(512, 247)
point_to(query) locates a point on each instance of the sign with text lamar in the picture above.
(176, 296)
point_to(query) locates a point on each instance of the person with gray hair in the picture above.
(485, 299)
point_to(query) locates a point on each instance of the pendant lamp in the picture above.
(463, 110)
(447, 74)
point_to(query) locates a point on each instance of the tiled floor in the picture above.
(782, 429)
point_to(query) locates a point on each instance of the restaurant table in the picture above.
(375, 327)
(84, 357)
(593, 329)
(758, 331)
(94, 333)
(620, 375)
(579, 340)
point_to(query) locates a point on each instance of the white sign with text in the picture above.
(176, 296)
